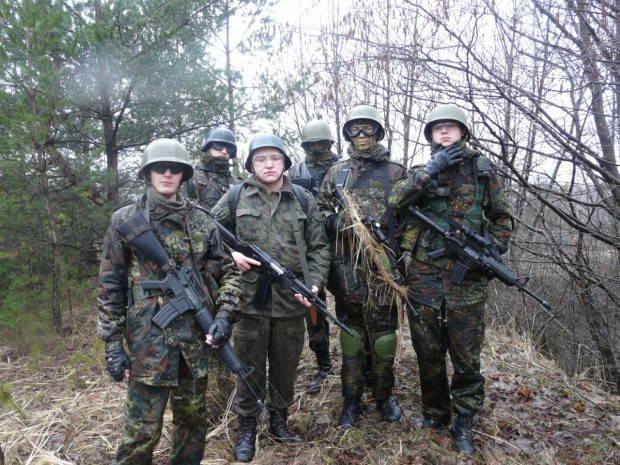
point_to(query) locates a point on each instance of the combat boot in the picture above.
(351, 410)
(277, 427)
(390, 409)
(325, 368)
(425, 423)
(462, 434)
(246, 439)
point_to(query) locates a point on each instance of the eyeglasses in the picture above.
(219, 146)
(448, 125)
(161, 167)
(354, 129)
(263, 159)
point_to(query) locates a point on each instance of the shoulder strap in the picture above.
(300, 194)
(302, 198)
(233, 199)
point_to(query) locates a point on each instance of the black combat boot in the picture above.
(351, 410)
(246, 439)
(462, 434)
(390, 409)
(277, 427)
(425, 423)
(325, 368)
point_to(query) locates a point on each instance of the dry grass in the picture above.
(73, 413)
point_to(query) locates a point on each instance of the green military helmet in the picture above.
(267, 140)
(363, 113)
(316, 131)
(166, 150)
(448, 112)
(222, 136)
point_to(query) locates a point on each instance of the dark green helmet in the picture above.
(448, 112)
(267, 140)
(166, 150)
(360, 114)
(223, 136)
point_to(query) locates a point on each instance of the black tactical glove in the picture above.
(333, 225)
(220, 330)
(117, 361)
(444, 159)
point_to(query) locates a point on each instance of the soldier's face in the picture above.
(166, 178)
(447, 132)
(268, 165)
(221, 150)
(362, 142)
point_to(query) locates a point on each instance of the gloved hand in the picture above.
(443, 159)
(117, 361)
(220, 330)
(333, 225)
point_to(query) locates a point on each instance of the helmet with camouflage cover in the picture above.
(222, 135)
(267, 140)
(448, 112)
(363, 113)
(166, 150)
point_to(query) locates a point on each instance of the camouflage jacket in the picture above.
(312, 171)
(471, 195)
(212, 179)
(125, 312)
(268, 220)
(370, 196)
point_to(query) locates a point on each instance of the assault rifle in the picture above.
(271, 270)
(469, 251)
(375, 229)
(183, 287)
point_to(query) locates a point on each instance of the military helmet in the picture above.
(448, 112)
(222, 135)
(166, 150)
(359, 114)
(267, 140)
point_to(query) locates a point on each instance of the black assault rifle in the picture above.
(184, 289)
(271, 270)
(469, 251)
(375, 229)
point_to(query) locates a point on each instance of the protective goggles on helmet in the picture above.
(356, 127)
(219, 146)
(160, 167)
(319, 146)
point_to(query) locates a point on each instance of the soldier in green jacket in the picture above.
(213, 177)
(269, 213)
(367, 176)
(172, 363)
(316, 140)
(457, 186)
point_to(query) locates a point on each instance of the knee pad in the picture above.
(385, 347)
(351, 345)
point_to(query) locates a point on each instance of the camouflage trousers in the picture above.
(259, 339)
(382, 321)
(318, 334)
(460, 332)
(144, 416)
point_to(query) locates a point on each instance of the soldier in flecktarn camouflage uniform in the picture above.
(367, 177)
(316, 140)
(269, 212)
(212, 177)
(173, 362)
(457, 185)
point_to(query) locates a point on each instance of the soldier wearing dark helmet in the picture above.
(317, 141)
(284, 221)
(457, 186)
(212, 177)
(171, 363)
(367, 177)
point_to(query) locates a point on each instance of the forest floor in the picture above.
(59, 406)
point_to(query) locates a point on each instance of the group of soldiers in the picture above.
(297, 216)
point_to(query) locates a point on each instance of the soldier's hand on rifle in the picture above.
(244, 263)
(303, 300)
(333, 225)
(218, 333)
(444, 159)
(118, 364)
